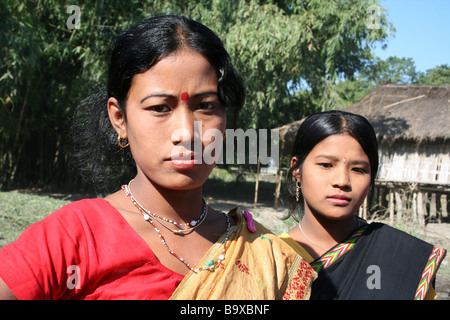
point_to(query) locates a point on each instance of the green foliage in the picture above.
(282, 45)
(438, 76)
(280, 48)
(47, 68)
(392, 70)
(375, 72)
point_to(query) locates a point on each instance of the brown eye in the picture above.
(360, 170)
(206, 106)
(159, 108)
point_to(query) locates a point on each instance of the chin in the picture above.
(338, 214)
(184, 182)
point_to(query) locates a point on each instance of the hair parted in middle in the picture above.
(144, 44)
(97, 156)
(318, 127)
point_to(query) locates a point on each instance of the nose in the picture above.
(341, 178)
(182, 126)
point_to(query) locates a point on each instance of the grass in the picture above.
(18, 211)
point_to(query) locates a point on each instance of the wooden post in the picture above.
(414, 206)
(433, 211)
(399, 204)
(443, 199)
(278, 188)
(391, 206)
(256, 184)
(364, 206)
(382, 197)
(420, 211)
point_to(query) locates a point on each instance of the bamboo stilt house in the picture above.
(412, 124)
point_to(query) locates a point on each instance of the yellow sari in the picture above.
(258, 265)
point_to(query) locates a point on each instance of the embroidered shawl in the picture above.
(377, 262)
(257, 265)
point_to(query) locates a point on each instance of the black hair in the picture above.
(143, 45)
(97, 155)
(321, 125)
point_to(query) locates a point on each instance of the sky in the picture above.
(422, 32)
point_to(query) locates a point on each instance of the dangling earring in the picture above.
(224, 135)
(120, 144)
(297, 192)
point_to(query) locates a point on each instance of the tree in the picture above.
(278, 46)
(392, 70)
(46, 68)
(438, 76)
(375, 72)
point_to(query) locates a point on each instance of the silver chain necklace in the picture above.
(315, 243)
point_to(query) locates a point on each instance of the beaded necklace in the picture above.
(193, 224)
(211, 264)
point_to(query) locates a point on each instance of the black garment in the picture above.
(385, 263)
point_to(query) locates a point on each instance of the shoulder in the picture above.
(248, 224)
(397, 238)
(290, 241)
(70, 222)
(86, 209)
(397, 247)
(386, 241)
(85, 205)
(267, 249)
(261, 237)
(296, 246)
(34, 265)
(388, 233)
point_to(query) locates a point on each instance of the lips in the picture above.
(183, 164)
(184, 161)
(339, 199)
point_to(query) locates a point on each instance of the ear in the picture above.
(117, 118)
(296, 168)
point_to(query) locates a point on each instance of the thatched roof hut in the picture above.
(407, 112)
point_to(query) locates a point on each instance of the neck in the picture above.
(326, 233)
(178, 205)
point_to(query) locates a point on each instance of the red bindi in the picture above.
(184, 96)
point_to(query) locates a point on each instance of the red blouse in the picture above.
(85, 250)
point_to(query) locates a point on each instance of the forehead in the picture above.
(182, 70)
(339, 145)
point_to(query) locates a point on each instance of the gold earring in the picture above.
(120, 144)
(224, 135)
(297, 192)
